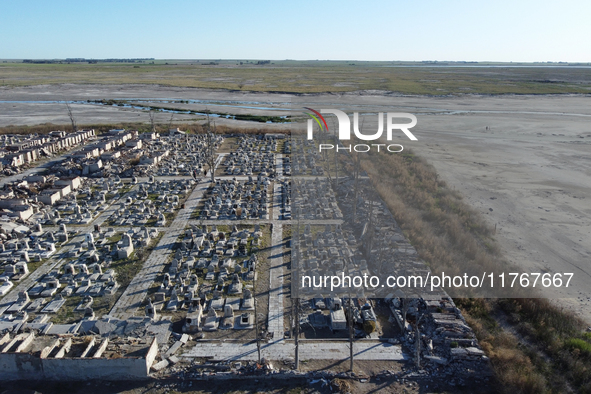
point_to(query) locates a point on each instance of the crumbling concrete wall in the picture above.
(20, 366)
(23, 366)
(50, 197)
(94, 368)
(73, 183)
(12, 203)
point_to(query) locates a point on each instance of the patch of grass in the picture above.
(196, 214)
(66, 314)
(578, 344)
(153, 196)
(125, 189)
(228, 145)
(115, 238)
(286, 232)
(33, 265)
(312, 77)
(128, 268)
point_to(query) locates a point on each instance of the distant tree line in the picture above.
(83, 60)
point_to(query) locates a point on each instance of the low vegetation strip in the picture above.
(310, 77)
(245, 117)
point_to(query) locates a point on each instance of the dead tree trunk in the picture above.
(152, 115)
(210, 148)
(170, 122)
(72, 118)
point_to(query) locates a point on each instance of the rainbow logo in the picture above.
(316, 118)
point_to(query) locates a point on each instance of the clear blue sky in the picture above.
(501, 30)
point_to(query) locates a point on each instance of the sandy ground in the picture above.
(529, 173)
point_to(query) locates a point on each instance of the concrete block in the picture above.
(88, 348)
(48, 349)
(173, 349)
(10, 344)
(65, 349)
(5, 339)
(26, 342)
(47, 328)
(101, 349)
(159, 366)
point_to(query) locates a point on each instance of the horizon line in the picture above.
(74, 59)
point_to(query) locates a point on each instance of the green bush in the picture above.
(579, 344)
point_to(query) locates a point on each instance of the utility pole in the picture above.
(356, 169)
(351, 331)
(256, 320)
(295, 276)
(336, 154)
(351, 320)
(418, 340)
(297, 333)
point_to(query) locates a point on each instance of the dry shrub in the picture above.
(517, 373)
(448, 234)
(514, 369)
(369, 326)
(342, 385)
(549, 321)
